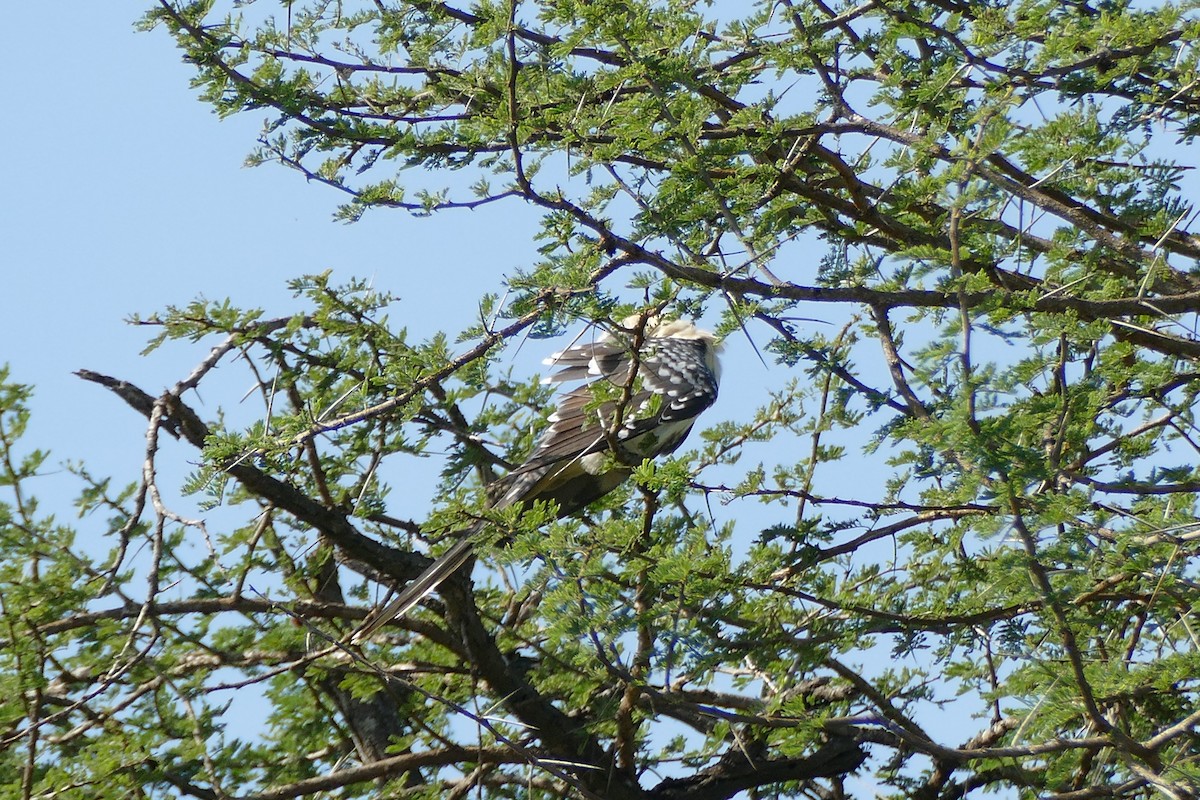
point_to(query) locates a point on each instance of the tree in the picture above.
(996, 194)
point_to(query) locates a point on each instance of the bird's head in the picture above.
(652, 326)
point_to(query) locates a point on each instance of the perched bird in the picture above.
(665, 374)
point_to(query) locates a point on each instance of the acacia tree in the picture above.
(984, 198)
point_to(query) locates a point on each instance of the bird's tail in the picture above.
(417, 590)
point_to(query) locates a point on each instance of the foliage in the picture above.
(977, 557)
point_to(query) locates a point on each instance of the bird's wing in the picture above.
(605, 357)
(678, 370)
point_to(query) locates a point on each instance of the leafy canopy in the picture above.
(946, 544)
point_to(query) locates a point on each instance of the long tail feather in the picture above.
(417, 590)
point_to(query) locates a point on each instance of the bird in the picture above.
(666, 373)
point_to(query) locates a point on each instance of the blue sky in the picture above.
(124, 194)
